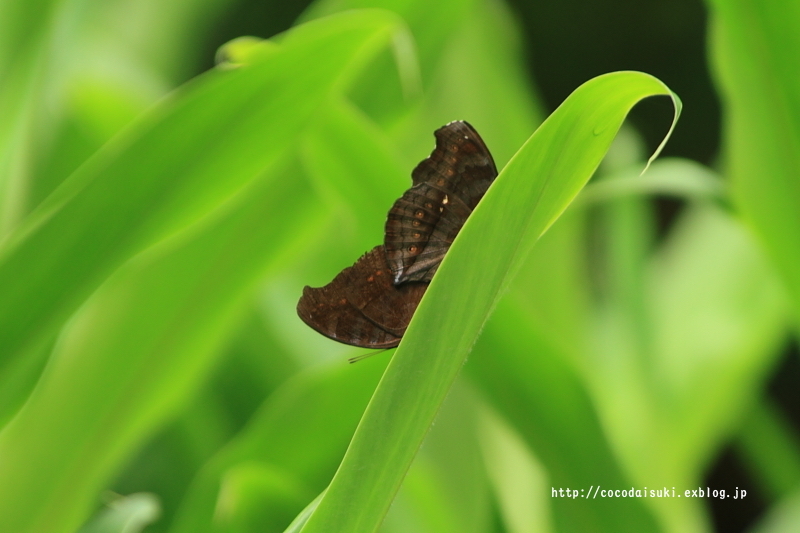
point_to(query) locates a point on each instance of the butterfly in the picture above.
(423, 223)
(370, 304)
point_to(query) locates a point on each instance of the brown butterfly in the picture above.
(370, 304)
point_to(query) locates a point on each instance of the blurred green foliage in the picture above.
(155, 234)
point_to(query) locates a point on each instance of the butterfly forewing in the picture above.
(423, 223)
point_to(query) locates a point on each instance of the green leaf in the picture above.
(24, 38)
(769, 447)
(446, 488)
(535, 386)
(128, 514)
(519, 481)
(356, 170)
(781, 518)
(380, 89)
(176, 165)
(755, 46)
(300, 431)
(719, 319)
(141, 345)
(530, 193)
(681, 178)
(495, 96)
(136, 352)
(672, 371)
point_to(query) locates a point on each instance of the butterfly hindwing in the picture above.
(361, 306)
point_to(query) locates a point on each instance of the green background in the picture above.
(159, 216)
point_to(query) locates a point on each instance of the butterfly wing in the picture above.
(361, 306)
(423, 223)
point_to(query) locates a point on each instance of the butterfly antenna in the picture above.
(363, 356)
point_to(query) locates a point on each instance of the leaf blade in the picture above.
(165, 173)
(489, 249)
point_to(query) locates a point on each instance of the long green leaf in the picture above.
(531, 192)
(134, 354)
(284, 434)
(755, 47)
(186, 158)
(25, 32)
(537, 389)
(140, 346)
